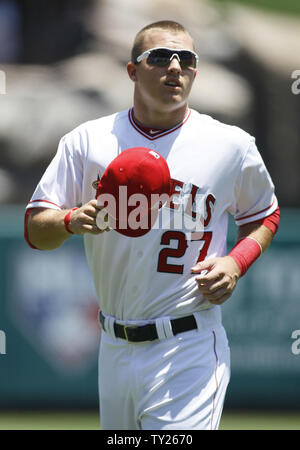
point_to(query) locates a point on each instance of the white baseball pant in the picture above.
(172, 384)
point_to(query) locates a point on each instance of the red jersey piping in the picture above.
(41, 200)
(159, 134)
(255, 214)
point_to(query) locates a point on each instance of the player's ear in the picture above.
(131, 70)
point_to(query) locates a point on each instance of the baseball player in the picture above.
(164, 358)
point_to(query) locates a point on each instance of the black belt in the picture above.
(135, 333)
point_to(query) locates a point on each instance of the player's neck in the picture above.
(159, 119)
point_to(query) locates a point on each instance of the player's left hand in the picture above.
(219, 280)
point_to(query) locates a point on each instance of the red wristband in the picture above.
(245, 252)
(67, 220)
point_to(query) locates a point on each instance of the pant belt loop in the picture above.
(167, 327)
(160, 329)
(99, 318)
(109, 325)
(198, 321)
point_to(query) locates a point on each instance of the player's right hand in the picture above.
(83, 219)
(219, 279)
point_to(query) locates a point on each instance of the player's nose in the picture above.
(174, 65)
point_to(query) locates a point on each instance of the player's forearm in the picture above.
(260, 233)
(46, 229)
(252, 240)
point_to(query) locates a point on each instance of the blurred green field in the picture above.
(280, 6)
(90, 420)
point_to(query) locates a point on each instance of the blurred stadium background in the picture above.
(62, 62)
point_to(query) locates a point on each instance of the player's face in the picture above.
(164, 88)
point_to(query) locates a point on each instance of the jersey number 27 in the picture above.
(180, 237)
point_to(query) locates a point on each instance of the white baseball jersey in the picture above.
(150, 276)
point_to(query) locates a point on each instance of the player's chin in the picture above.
(172, 96)
(175, 99)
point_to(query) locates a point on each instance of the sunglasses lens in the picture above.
(161, 57)
(187, 59)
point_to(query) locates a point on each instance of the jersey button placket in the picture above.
(132, 287)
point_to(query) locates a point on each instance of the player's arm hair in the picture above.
(262, 230)
(260, 233)
(45, 228)
(253, 239)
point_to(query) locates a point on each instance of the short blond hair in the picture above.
(163, 25)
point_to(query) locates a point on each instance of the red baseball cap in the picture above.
(133, 172)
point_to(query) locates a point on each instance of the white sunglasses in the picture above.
(161, 56)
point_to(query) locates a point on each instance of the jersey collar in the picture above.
(154, 133)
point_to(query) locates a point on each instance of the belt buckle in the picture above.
(125, 331)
